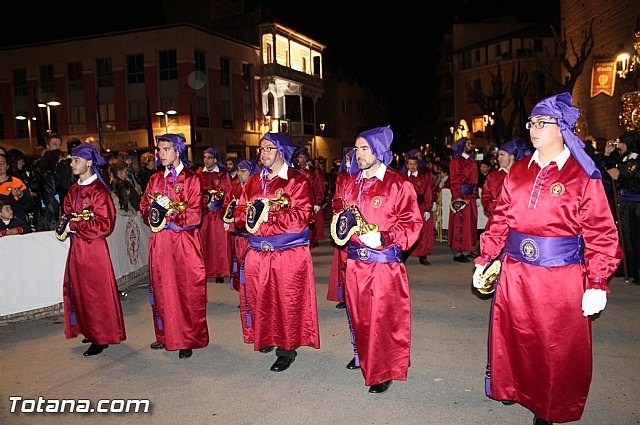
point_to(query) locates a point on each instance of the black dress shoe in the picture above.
(157, 346)
(352, 364)
(185, 354)
(86, 341)
(219, 279)
(341, 304)
(460, 259)
(94, 349)
(265, 350)
(508, 402)
(471, 255)
(281, 364)
(380, 388)
(424, 261)
(539, 421)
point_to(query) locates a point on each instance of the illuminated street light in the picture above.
(24, 118)
(48, 105)
(166, 114)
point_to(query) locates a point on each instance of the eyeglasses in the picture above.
(538, 124)
(266, 148)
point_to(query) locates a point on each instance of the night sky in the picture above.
(376, 44)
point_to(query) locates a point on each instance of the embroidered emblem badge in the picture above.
(266, 246)
(177, 188)
(556, 189)
(216, 182)
(376, 202)
(363, 253)
(85, 203)
(529, 250)
(279, 192)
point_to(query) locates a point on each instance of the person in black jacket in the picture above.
(10, 225)
(49, 197)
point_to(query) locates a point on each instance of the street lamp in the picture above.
(24, 118)
(166, 114)
(629, 64)
(48, 106)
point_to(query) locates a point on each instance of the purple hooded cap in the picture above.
(379, 140)
(559, 107)
(412, 152)
(86, 151)
(283, 144)
(249, 165)
(213, 151)
(179, 144)
(345, 164)
(516, 147)
(301, 151)
(458, 146)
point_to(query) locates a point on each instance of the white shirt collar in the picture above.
(506, 170)
(178, 170)
(283, 173)
(379, 173)
(414, 174)
(88, 181)
(560, 159)
(215, 169)
(466, 155)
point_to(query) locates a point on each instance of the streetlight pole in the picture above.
(23, 118)
(48, 106)
(166, 114)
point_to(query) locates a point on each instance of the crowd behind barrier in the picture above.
(33, 265)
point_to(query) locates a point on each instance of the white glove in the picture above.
(426, 215)
(434, 208)
(226, 226)
(371, 239)
(265, 201)
(163, 201)
(477, 281)
(593, 301)
(316, 208)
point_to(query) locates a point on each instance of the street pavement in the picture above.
(229, 383)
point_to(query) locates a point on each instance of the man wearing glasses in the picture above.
(559, 246)
(275, 208)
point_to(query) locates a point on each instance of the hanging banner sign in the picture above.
(603, 77)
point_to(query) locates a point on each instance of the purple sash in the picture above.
(467, 189)
(545, 251)
(279, 242)
(625, 195)
(173, 226)
(393, 254)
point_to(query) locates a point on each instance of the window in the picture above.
(47, 82)
(304, 65)
(466, 60)
(477, 55)
(247, 95)
(20, 82)
(76, 115)
(74, 75)
(346, 107)
(498, 50)
(201, 61)
(225, 72)
(107, 112)
(135, 69)
(537, 45)
(137, 112)
(168, 65)
(269, 53)
(104, 71)
(316, 65)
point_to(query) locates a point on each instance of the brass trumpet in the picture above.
(175, 206)
(283, 201)
(363, 226)
(489, 278)
(85, 215)
(216, 195)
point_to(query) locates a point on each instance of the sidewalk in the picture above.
(228, 383)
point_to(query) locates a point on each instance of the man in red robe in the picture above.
(91, 301)
(463, 216)
(317, 186)
(240, 243)
(424, 185)
(172, 204)
(216, 247)
(337, 276)
(509, 152)
(554, 227)
(377, 290)
(276, 206)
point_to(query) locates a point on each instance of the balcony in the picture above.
(274, 70)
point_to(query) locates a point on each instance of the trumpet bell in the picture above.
(490, 278)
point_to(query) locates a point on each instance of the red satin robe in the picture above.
(216, 247)
(176, 266)
(317, 187)
(377, 294)
(490, 192)
(90, 287)
(280, 286)
(239, 249)
(539, 341)
(337, 278)
(463, 233)
(424, 185)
